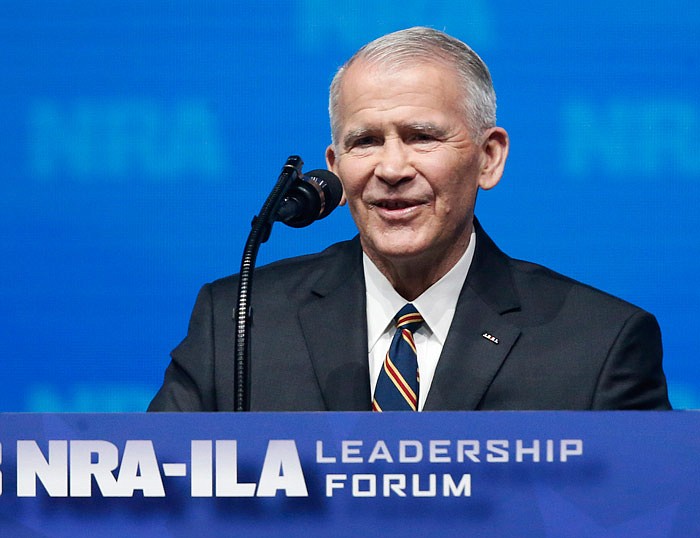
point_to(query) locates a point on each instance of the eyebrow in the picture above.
(353, 135)
(413, 127)
(424, 127)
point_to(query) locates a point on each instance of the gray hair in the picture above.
(421, 44)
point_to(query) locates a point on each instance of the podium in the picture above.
(440, 474)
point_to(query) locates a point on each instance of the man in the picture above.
(414, 138)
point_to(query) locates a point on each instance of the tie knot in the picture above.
(408, 318)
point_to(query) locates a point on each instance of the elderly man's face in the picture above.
(409, 166)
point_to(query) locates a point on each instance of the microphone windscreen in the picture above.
(331, 186)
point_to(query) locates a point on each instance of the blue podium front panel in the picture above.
(500, 474)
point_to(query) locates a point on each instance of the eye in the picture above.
(423, 137)
(365, 142)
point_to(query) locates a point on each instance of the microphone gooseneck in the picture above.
(297, 200)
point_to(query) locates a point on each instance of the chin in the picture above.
(398, 250)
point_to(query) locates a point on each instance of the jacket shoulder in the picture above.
(289, 274)
(531, 294)
(550, 290)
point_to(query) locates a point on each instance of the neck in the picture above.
(410, 277)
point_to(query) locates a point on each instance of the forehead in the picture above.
(371, 88)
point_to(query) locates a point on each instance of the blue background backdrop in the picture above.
(139, 138)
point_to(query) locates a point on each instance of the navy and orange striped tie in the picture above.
(397, 386)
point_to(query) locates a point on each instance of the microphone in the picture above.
(310, 198)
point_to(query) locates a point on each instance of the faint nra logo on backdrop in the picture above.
(124, 140)
(349, 25)
(631, 138)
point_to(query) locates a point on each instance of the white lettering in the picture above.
(550, 450)
(227, 484)
(282, 471)
(333, 482)
(497, 451)
(370, 480)
(365, 485)
(432, 486)
(31, 465)
(139, 470)
(570, 447)
(351, 451)
(380, 452)
(320, 458)
(438, 451)
(470, 449)
(395, 483)
(404, 456)
(449, 488)
(521, 450)
(83, 468)
(201, 479)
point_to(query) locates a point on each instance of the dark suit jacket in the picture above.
(560, 344)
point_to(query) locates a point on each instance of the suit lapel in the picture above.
(334, 323)
(480, 338)
(470, 359)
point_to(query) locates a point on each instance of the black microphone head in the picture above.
(331, 187)
(310, 198)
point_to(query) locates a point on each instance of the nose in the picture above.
(394, 162)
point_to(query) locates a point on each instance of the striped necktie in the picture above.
(397, 386)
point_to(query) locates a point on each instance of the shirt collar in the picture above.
(437, 304)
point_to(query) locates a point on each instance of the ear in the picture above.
(332, 165)
(494, 152)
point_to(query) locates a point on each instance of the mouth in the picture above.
(396, 210)
(395, 205)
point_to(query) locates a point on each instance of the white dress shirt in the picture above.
(437, 305)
